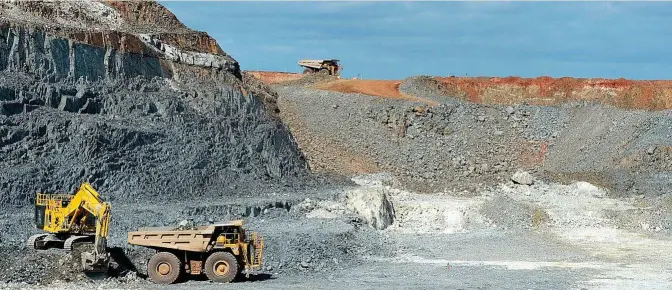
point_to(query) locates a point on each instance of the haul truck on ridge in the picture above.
(324, 66)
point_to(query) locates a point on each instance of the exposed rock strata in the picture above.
(161, 113)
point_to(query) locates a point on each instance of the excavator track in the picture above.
(33, 239)
(67, 245)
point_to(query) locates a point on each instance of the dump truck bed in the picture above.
(195, 240)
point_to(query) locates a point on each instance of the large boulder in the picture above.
(373, 205)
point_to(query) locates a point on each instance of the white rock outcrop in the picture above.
(582, 188)
(373, 205)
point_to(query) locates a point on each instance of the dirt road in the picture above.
(377, 88)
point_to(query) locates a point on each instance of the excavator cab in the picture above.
(40, 212)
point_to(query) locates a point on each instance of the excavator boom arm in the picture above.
(88, 198)
(102, 227)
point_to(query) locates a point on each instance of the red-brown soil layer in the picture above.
(270, 77)
(632, 94)
(629, 94)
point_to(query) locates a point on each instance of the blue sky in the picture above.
(394, 40)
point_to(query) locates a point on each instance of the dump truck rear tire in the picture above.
(221, 267)
(164, 268)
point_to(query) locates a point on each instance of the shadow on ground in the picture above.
(122, 264)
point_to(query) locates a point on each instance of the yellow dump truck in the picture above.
(222, 251)
(324, 66)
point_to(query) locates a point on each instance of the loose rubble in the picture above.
(465, 146)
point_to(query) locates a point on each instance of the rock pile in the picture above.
(427, 148)
(464, 145)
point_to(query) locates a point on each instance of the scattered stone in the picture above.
(510, 110)
(522, 177)
(651, 150)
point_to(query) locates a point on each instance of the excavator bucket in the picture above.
(93, 263)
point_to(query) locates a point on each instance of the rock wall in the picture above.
(137, 117)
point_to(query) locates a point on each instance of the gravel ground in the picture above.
(515, 260)
(428, 149)
(295, 244)
(308, 80)
(626, 150)
(480, 240)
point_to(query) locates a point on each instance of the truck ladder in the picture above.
(259, 249)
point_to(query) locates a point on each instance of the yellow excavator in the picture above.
(69, 221)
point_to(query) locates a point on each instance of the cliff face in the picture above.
(122, 95)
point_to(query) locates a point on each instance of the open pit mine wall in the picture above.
(136, 117)
(102, 55)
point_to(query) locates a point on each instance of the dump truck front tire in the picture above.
(221, 267)
(164, 268)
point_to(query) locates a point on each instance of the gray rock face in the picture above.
(72, 112)
(52, 58)
(522, 177)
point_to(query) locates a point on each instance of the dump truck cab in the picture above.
(221, 251)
